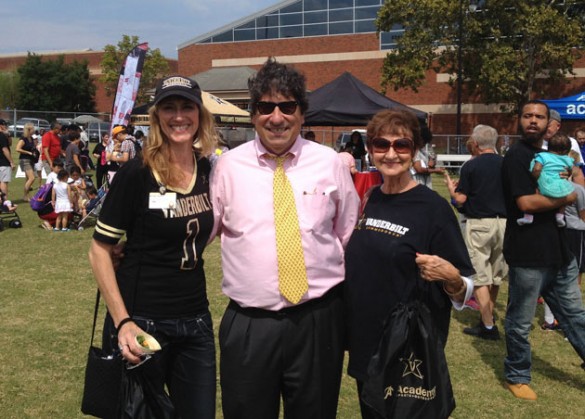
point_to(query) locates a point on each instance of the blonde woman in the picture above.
(27, 147)
(161, 204)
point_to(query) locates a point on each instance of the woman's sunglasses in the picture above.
(266, 108)
(400, 146)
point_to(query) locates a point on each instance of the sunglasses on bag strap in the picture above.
(266, 108)
(400, 145)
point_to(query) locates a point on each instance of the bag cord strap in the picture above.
(95, 313)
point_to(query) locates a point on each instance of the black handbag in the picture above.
(103, 379)
(408, 374)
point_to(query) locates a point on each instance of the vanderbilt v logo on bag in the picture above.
(408, 374)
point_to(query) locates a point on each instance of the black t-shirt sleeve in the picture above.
(122, 203)
(447, 241)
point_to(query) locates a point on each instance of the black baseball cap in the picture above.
(177, 86)
(3, 122)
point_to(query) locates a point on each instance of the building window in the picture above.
(266, 33)
(291, 19)
(309, 18)
(226, 36)
(340, 4)
(340, 15)
(244, 35)
(316, 30)
(340, 28)
(291, 31)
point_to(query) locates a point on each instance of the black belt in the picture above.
(333, 293)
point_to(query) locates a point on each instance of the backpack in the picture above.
(42, 197)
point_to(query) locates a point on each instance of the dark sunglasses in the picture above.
(266, 108)
(401, 145)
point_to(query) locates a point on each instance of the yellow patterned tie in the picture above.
(292, 274)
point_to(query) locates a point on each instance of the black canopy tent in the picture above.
(347, 101)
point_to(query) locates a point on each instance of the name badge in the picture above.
(166, 201)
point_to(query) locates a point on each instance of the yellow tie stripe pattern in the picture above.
(292, 273)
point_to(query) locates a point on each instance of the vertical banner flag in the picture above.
(128, 83)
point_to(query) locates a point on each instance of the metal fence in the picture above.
(13, 115)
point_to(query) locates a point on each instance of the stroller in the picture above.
(8, 215)
(93, 208)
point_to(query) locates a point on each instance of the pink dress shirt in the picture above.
(327, 207)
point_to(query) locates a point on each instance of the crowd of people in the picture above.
(311, 272)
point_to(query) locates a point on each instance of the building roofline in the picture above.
(235, 23)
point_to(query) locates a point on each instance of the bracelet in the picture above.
(122, 323)
(455, 294)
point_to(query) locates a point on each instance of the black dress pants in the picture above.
(296, 353)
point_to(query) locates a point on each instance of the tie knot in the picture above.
(279, 159)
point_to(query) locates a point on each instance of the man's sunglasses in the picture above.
(266, 108)
(400, 146)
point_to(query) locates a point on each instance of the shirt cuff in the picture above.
(459, 305)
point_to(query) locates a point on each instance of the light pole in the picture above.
(461, 24)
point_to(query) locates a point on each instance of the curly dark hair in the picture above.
(278, 78)
(560, 144)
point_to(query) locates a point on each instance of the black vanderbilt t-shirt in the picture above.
(164, 248)
(542, 243)
(381, 269)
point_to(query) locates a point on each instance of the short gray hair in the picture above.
(485, 136)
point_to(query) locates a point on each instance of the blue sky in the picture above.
(48, 25)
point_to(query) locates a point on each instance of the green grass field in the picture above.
(46, 305)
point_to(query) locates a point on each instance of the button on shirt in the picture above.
(327, 207)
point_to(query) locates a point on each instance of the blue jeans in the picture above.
(186, 363)
(561, 292)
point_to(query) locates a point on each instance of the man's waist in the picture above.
(331, 294)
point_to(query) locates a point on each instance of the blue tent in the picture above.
(571, 107)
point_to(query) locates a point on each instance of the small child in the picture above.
(78, 187)
(91, 201)
(546, 168)
(5, 204)
(57, 167)
(61, 200)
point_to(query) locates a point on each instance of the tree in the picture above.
(506, 46)
(8, 89)
(53, 85)
(155, 67)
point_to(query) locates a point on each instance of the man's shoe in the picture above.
(521, 391)
(482, 332)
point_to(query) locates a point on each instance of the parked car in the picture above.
(95, 130)
(16, 129)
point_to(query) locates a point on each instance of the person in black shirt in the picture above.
(407, 232)
(539, 260)
(479, 193)
(162, 205)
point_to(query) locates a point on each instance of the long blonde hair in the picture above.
(157, 155)
(28, 130)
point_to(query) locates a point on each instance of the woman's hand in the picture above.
(127, 344)
(435, 268)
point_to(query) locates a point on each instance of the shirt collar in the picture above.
(295, 150)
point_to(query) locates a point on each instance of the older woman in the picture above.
(406, 232)
(26, 147)
(161, 204)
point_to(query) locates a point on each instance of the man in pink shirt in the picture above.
(269, 345)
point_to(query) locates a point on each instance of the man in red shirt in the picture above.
(51, 147)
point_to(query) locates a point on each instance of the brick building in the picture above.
(324, 38)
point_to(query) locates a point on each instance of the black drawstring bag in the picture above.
(143, 395)
(408, 374)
